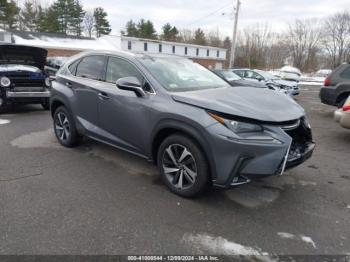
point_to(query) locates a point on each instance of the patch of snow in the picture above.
(4, 121)
(111, 43)
(221, 246)
(307, 183)
(41, 139)
(286, 235)
(348, 206)
(312, 83)
(308, 240)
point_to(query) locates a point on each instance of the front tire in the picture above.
(65, 130)
(46, 105)
(183, 166)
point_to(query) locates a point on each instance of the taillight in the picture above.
(346, 108)
(327, 81)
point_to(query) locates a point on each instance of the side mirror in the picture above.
(131, 84)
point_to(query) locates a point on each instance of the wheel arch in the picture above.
(171, 127)
(54, 104)
(342, 96)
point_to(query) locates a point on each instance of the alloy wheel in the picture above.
(62, 126)
(179, 166)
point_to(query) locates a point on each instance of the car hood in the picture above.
(253, 103)
(23, 55)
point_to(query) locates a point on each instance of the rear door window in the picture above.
(240, 73)
(92, 67)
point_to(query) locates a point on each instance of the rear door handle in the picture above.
(103, 96)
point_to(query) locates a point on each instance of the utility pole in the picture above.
(234, 35)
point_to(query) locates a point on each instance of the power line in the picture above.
(210, 14)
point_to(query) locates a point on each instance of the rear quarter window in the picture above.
(73, 67)
(346, 73)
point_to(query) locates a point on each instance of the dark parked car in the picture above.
(336, 87)
(176, 113)
(22, 76)
(291, 87)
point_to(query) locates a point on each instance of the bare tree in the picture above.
(214, 38)
(303, 38)
(252, 46)
(186, 36)
(337, 37)
(89, 23)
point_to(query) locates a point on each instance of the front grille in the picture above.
(23, 81)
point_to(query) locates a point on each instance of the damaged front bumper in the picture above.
(237, 162)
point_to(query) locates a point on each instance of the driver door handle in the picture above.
(103, 96)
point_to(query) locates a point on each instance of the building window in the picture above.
(186, 50)
(208, 52)
(174, 49)
(218, 53)
(129, 45)
(197, 52)
(145, 47)
(160, 48)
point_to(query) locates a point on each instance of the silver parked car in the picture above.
(184, 118)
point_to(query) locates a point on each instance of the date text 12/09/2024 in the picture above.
(173, 258)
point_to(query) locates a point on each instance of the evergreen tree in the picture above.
(102, 26)
(48, 20)
(146, 29)
(199, 37)
(28, 16)
(65, 11)
(131, 29)
(169, 33)
(9, 14)
(76, 20)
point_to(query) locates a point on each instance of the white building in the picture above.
(62, 45)
(196, 52)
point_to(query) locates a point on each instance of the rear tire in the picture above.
(64, 127)
(183, 166)
(2, 105)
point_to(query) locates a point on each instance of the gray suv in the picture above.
(336, 88)
(174, 112)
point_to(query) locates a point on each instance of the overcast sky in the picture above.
(193, 14)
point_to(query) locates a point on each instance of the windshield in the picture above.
(229, 75)
(267, 75)
(178, 75)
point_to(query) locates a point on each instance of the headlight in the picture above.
(238, 126)
(5, 81)
(47, 82)
(306, 122)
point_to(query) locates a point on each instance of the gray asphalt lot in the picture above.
(98, 200)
